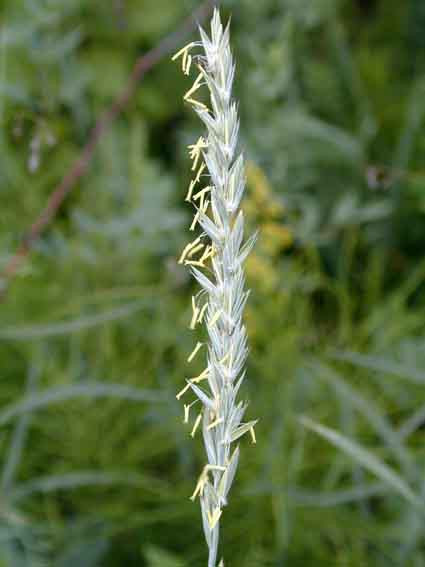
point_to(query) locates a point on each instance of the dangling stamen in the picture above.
(187, 59)
(214, 517)
(200, 194)
(196, 425)
(215, 318)
(195, 250)
(195, 151)
(196, 85)
(202, 312)
(186, 70)
(202, 376)
(183, 391)
(198, 176)
(187, 411)
(194, 102)
(252, 432)
(189, 248)
(215, 423)
(195, 314)
(195, 351)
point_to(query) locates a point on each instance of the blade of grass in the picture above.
(19, 435)
(363, 457)
(378, 422)
(412, 423)
(84, 553)
(304, 498)
(91, 390)
(28, 332)
(70, 481)
(381, 364)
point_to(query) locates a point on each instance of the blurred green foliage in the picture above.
(96, 465)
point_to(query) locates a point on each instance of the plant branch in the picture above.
(144, 64)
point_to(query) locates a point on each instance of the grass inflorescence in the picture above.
(216, 259)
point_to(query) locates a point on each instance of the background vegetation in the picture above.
(96, 465)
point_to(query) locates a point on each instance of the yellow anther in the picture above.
(188, 249)
(196, 85)
(196, 263)
(208, 253)
(183, 391)
(196, 425)
(195, 351)
(195, 314)
(200, 145)
(205, 206)
(215, 423)
(200, 194)
(187, 411)
(225, 358)
(196, 160)
(199, 488)
(200, 171)
(202, 71)
(201, 262)
(194, 222)
(203, 479)
(203, 210)
(195, 151)
(202, 313)
(190, 191)
(252, 432)
(196, 242)
(196, 103)
(208, 468)
(184, 50)
(214, 517)
(202, 376)
(188, 65)
(215, 318)
(197, 248)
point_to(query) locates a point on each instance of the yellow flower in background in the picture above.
(275, 238)
(265, 212)
(261, 271)
(261, 191)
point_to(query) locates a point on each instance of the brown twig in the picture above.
(141, 67)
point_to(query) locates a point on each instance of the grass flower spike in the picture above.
(216, 259)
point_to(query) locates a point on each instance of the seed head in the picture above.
(221, 222)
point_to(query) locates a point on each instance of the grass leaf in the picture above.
(378, 421)
(28, 332)
(91, 390)
(382, 365)
(362, 456)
